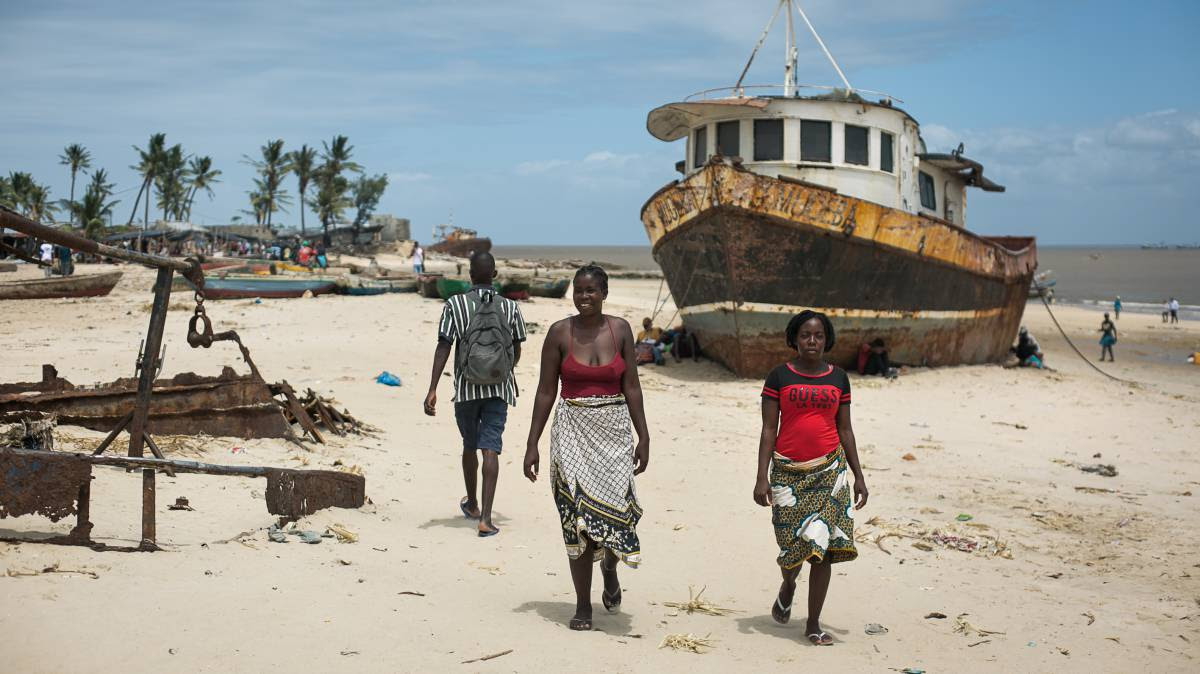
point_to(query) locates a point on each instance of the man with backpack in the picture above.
(486, 331)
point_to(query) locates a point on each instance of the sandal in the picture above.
(484, 533)
(820, 639)
(782, 614)
(580, 624)
(612, 602)
(462, 505)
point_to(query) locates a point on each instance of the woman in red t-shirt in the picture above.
(807, 445)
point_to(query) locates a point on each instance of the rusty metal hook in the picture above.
(195, 337)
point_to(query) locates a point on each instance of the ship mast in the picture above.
(789, 66)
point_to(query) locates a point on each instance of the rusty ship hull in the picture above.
(742, 253)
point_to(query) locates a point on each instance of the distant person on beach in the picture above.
(1117, 308)
(1173, 307)
(1166, 312)
(486, 331)
(418, 258)
(47, 258)
(873, 359)
(1027, 350)
(593, 457)
(682, 343)
(319, 254)
(806, 454)
(1108, 337)
(649, 344)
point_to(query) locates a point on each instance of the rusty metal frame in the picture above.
(148, 362)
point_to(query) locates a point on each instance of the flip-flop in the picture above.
(784, 613)
(491, 532)
(580, 624)
(612, 602)
(462, 505)
(820, 639)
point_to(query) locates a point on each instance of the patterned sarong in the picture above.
(812, 510)
(591, 470)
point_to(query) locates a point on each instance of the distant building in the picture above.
(391, 228)
(259, 232)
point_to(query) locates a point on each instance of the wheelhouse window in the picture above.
(928, 192)
(700, 147)
(886, 145)
(815, 141)
(768, 139)
(856, 145)
(727, 138)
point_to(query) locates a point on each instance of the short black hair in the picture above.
(482, 264)
(793, 327)
(595, 271)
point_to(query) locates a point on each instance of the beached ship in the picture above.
(459, 241)
(800, 197)
(83, 285)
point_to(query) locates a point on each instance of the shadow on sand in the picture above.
(793, 631)
(560, 613)
(460, 522)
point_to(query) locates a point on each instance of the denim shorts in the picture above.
(481, 423)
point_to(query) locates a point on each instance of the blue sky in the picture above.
(527, 118)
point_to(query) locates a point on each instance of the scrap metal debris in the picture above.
(488, 657)
(45, 485)
(296, 493)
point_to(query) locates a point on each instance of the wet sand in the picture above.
(1077, 572)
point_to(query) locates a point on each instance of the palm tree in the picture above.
(37, 201)
(330, 199)
(169, 181)
(303, 164)
(367, 192)
(147, 165)
(95, 206)
(337, 155)
(273, 166)
(78, 158)
(203, 177)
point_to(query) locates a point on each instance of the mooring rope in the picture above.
(1076, 349)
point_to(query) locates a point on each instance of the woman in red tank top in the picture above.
(593, 457)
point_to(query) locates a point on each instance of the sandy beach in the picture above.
(1071, 571)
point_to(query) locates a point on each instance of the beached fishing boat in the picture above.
(545, 287)
(448, 287)
(7, 266)
(355, 285)
(82, 285)
(427, 285)
(243, 286)
(792, 199)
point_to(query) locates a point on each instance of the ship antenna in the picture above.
(849, 89)
(762, 38)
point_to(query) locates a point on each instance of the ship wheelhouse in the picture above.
(837, 140)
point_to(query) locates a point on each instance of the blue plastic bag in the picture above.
(388, 379)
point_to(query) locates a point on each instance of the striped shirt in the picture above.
(456, 316)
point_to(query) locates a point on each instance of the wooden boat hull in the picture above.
(7, 266)
(449, 287)
(743, 253)
(462, 247)
(245, 287)
(376, 286)
(556, 288)
(427, 285)
(83, 285)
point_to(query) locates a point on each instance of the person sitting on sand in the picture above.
(1027, 350)
(682, 344)
(593, 458)
(1108, 337)
(649, 344)
(806, 453)
(481, 399)
(873, 359)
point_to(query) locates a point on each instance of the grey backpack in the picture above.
(485, 350)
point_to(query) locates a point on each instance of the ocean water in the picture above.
(1085, 275)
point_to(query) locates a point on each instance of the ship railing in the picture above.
(780, 90)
